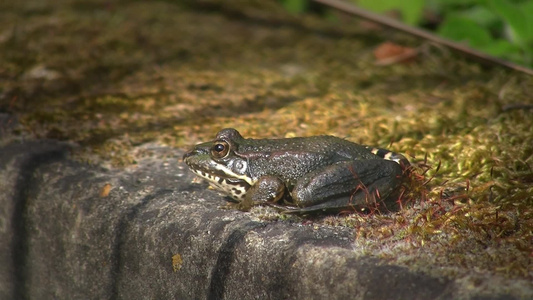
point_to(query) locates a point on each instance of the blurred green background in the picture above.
(502, 28)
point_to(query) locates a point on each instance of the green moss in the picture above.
(110, 77)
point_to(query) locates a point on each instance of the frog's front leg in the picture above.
(266, 190)
(360, 183)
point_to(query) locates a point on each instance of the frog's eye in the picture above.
(220, 149)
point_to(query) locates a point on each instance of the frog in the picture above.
(299, 174)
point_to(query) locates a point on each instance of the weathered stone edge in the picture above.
(158, 236)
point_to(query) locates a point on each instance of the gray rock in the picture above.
(7, 123)
(156, 235)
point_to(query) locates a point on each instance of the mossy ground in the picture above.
(112, 75)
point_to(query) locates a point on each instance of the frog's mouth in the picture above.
(222, 180)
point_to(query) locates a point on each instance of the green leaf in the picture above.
(519, 22)
(501, 48)
(411, 10)
(527, 10)
(454, 2)
(480, 14)
(462, 29)
(295, 6)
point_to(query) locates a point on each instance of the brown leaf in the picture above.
(389, 53)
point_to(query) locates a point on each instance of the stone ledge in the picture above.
(157, 236)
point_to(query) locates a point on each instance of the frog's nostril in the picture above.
(190, 153)
(195, 152)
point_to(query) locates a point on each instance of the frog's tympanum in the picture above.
(303, 174)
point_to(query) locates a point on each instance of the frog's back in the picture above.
(324, 145)
(290, 158)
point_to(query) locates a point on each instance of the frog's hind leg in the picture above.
(348, 185)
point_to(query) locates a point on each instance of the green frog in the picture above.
(302, 174)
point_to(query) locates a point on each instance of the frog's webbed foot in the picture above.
(278, 207)
(231, 205)
(340, 205)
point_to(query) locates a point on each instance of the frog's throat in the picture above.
(226, 181)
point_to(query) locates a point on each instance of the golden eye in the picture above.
(220, 149)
